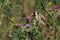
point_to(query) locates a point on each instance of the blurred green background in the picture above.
(12, 12)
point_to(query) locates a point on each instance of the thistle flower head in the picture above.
(55, 7)
(27, 25)
(58, 16)
(19, 25)
(28, 33)
(28, 18)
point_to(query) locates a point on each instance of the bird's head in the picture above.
(35, 13)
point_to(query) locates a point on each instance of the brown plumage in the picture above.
(41, 18)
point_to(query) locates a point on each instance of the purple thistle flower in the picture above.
(19, 25)
(56, 7)
(28, 18)
(27, 25)
(58, 16)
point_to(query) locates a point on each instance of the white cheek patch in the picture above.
(36, 15)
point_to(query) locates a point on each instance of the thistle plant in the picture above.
(17, 23)
(26, 31)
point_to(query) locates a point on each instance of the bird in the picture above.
(40, 18)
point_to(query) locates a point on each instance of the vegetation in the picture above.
(18, 23)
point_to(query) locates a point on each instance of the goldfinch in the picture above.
(40, 18)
